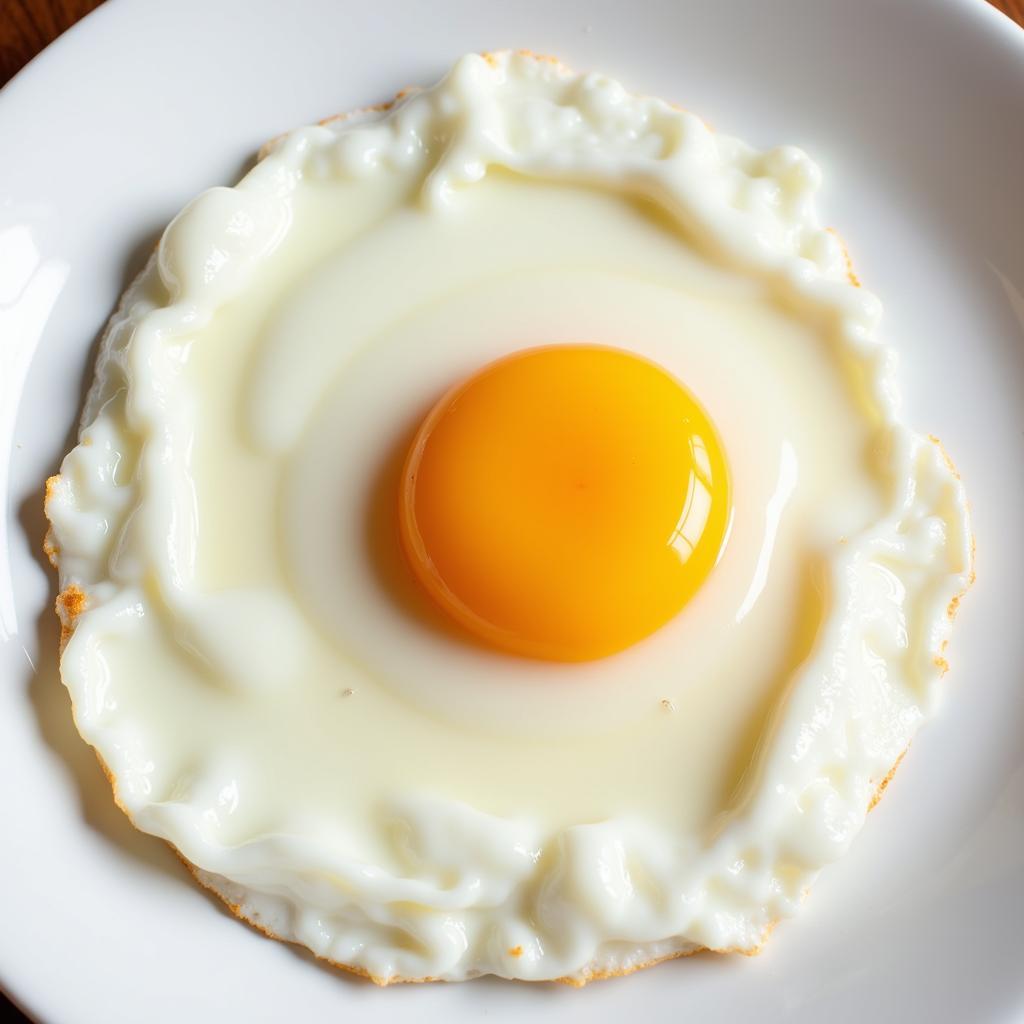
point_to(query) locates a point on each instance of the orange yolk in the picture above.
(564, 502)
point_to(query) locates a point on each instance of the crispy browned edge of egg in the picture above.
(73, 600)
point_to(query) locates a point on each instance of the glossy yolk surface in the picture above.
(564, 502)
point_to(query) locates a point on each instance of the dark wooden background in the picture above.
(26, 26)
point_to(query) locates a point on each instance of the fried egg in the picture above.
(492, 545)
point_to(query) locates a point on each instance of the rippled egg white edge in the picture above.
(844, 721)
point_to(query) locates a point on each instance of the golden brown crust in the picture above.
(50, 547)
(885, 782)
(587, 976)
(851, 276)
(71, 602)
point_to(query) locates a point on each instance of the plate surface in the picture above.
(914, 109)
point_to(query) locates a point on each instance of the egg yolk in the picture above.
(564, 502)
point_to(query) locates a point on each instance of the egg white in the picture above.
(271, 694)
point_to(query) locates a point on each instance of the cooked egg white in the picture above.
(275, 695)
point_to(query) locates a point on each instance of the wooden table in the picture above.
(27, 26)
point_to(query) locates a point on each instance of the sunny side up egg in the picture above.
(565, 502)
(492, 546)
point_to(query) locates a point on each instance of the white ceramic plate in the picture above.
(916, 111)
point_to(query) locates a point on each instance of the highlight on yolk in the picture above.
(564, 502)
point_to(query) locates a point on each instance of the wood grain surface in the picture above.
(27, 26)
